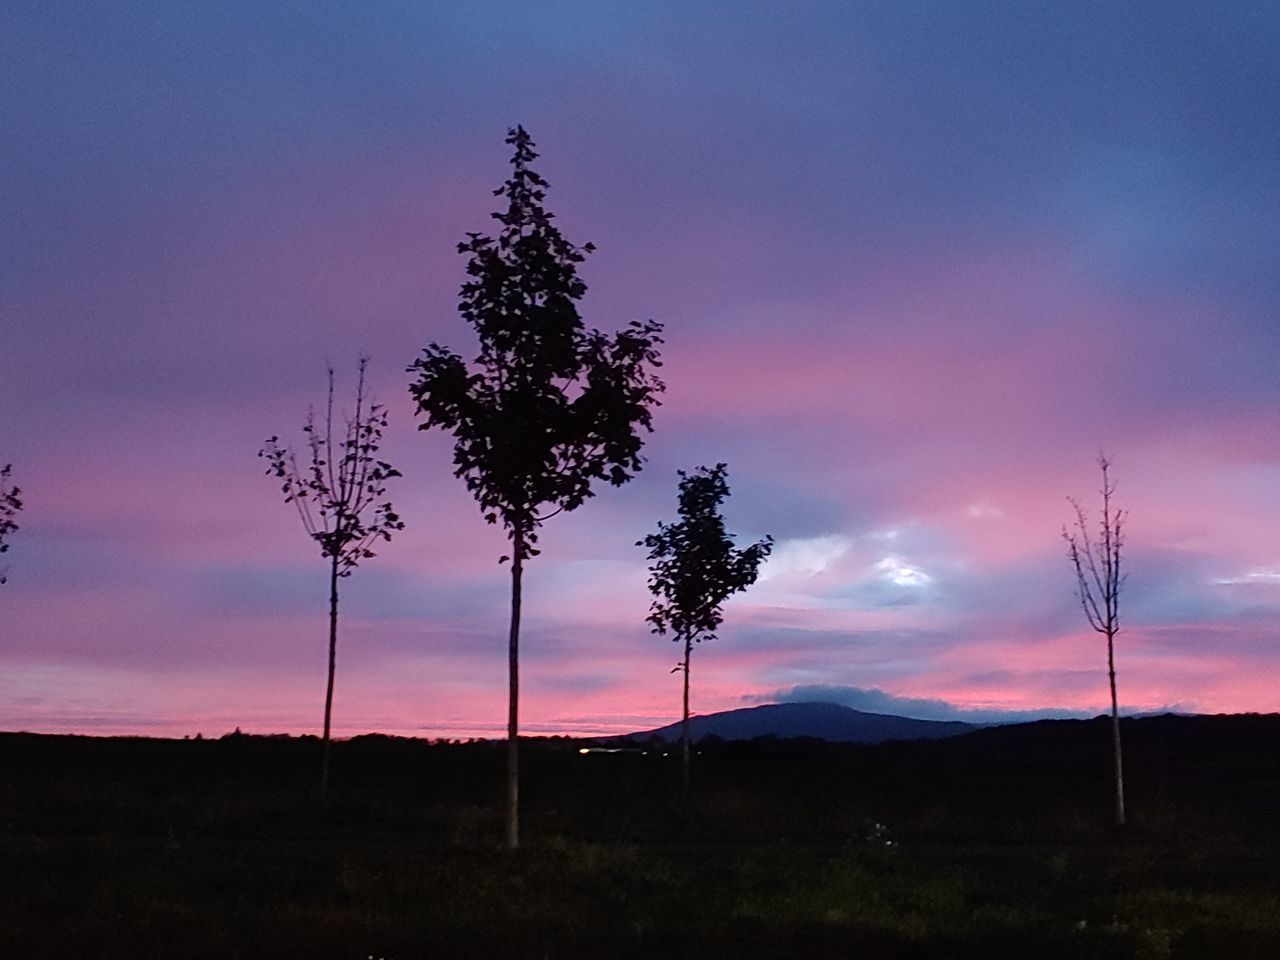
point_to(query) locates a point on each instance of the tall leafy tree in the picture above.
(340, 496)
(1096, 561)
(548, 407)
(695, 569)
(10, 506)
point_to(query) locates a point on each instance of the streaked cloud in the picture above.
(1270, 578)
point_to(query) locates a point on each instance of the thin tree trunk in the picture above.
(333, 656)
(684, 723)
(1115, 732)
(513, 697)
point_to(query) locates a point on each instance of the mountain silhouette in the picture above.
(825, 721)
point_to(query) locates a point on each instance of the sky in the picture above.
(918, 264)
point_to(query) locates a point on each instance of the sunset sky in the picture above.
(918, 263)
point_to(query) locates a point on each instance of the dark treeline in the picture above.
(1204, 777)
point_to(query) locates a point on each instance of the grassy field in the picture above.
(990, 845)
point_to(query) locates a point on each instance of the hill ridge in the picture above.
(821, 719)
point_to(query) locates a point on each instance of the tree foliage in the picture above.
(10, 506)
(548, 406)
(695, 564)
(342, 481)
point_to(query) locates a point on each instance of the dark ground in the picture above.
(994, 844)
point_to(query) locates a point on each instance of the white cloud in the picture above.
(1265, 577)
(899, 572)
(982, 510)
(890, 534)
(805, 556)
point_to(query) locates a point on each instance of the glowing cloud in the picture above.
(805, 556)
(899, 572)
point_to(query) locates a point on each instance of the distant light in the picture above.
(586, 750)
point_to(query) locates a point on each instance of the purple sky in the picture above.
(918, 264)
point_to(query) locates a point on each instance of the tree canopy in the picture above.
(695, 564)
(10, 506)
(548, 406)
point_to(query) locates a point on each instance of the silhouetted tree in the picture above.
(696, 568)
(343, 481)
(548, 406)
(1096, 560)
(10, 505)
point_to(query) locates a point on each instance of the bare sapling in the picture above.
(1096, 561)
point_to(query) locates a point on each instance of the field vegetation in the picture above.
(996, 843)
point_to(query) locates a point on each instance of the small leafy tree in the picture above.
(10, 505)
(334, 494)
(548, 407)
(1096, 561)
(695, 569)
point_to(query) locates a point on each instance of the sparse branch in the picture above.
(299, 496)
(1090, 584)
(333, 488)
(359, 429)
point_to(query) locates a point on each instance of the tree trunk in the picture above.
(684, 723)
(513, 696)
(1115, 731)
(333, 656)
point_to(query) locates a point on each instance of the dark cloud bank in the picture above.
(877, 701)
